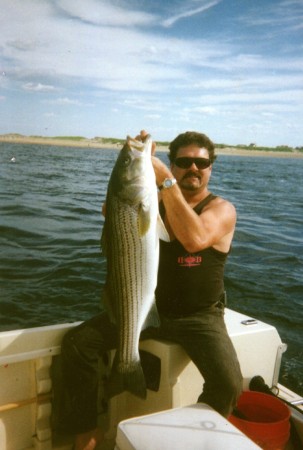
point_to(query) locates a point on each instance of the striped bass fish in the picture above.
(130, 242)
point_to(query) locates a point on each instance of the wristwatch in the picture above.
(167, 183)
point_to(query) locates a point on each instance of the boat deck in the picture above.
(27, 381)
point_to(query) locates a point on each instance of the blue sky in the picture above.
(232, 69)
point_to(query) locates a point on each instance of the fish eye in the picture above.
(126, 161)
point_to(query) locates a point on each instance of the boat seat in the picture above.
(195, 426)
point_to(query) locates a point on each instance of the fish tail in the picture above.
(131, 380)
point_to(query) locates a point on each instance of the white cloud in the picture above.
(209, 110)
(112, 58)
(65, 101)
(105, 13)
(38, 87)
(121, 59)
(116, 59)
(250, 83)
(23, 45)
(278, 17)
(188, 13)
(143, 104)
(153, 116)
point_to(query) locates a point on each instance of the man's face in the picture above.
(196, 176)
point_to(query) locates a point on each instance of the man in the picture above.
(189, 294)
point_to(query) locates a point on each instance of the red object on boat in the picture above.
(265, 420)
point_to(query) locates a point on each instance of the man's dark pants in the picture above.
(203, 336)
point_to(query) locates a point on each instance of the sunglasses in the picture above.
(185, 162)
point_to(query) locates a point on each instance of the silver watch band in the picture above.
(167, 183)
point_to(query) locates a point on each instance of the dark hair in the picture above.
(188, 138)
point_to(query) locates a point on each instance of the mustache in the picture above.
(191, 173)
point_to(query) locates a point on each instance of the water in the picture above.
(52, 270)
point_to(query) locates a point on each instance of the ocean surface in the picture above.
(52, 271)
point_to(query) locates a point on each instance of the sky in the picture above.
(232, 69)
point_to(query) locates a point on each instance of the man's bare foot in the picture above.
(88, 440)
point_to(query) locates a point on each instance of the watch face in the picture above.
(167, 183)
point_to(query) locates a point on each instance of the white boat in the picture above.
(27, 382)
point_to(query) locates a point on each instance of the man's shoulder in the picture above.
(222, 206)
(217, 200)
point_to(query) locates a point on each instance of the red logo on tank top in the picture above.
(190, 260)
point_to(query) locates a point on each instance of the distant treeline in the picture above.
(279, 148)
(109, 140)
(118, 141)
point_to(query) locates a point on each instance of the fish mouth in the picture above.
(133, 143)
(136, 145)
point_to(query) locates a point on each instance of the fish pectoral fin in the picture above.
(143, 219)
(161, 229)
(152, 318)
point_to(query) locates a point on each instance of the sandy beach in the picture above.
(99, 144)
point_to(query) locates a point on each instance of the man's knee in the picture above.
(223, 394)
(233, 389)
(67, 341)
(70, 346)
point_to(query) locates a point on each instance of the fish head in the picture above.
(133, 170)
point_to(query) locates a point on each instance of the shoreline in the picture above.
(98, 144)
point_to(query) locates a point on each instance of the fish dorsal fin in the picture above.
(161, 229)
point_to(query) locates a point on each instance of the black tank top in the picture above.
(188, 283)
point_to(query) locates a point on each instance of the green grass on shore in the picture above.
(118, 141)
